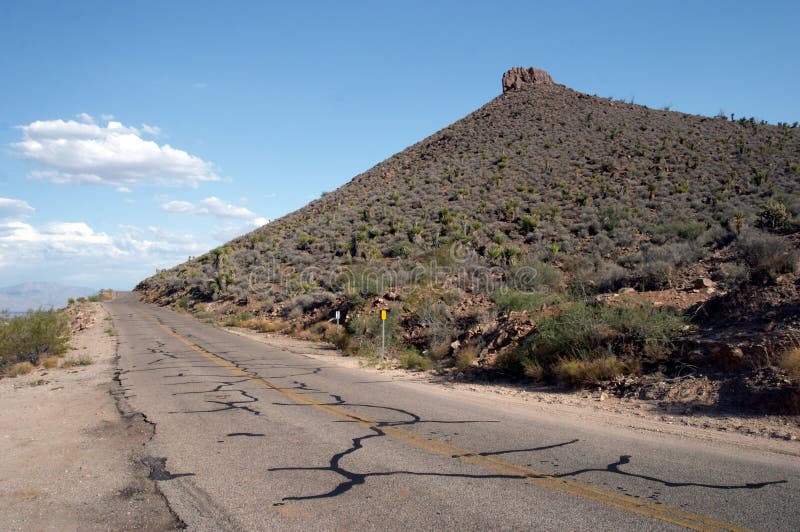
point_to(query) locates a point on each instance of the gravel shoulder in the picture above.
(780, 434)
(70, 453)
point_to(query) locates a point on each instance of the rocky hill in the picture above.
(502, 243)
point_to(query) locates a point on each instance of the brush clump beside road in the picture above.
(70, 453)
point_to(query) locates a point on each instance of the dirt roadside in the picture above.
(774, 433)
(70, 452)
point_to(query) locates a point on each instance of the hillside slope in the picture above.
(541, 199)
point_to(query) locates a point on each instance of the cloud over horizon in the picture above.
(213, 206)
(83, 152)
(75, 251)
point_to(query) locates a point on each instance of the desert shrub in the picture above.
(677, 230)
(20, 368)
(236, 320)
(432, 316)
(264, 325)
(733, 274)
(78, 361)
(611, 277)
(534, 276)
(586, 372)
(773, 216)
(533, 370)
(656, 275)
(33, 335)
(515, 300)
(585, 332)
(202, 315)
(466, 357)
(50, 362)
(306, 303)
(653, 328)
(511, 362)
(766, 255)
(413, 360)
(577, 332)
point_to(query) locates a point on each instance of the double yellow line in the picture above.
(617, 500)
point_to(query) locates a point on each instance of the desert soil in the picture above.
(70, 453)
(673, 416)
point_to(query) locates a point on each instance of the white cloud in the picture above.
(14, 209)
(181, 207)
(78, 153)
(123, 190)
(151, 130)
(213, 206)
(216, 207)
(68, 249)
(231, 231)
(85, 118)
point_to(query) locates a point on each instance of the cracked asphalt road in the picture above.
(249, 437)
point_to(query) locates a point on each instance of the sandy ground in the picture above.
(70, 456)
(775, 433)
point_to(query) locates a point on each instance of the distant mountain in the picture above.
(25, 296)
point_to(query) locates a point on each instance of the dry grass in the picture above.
(50, 362)
(533, 370)
(264, 325)
(78, 361)
(466, 357)
(587, 372)
(790, 362)
(20, 368)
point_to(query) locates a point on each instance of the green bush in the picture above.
(587, 372)
(766, 255)
(586, 332)
(413, 360)
(678, 230)
(237, 319)
(515, 300)
(36, 334)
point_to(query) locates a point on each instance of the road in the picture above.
(250, 437)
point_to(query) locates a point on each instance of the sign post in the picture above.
(338, 315)
(383, 333)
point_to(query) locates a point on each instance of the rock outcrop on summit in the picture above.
(518, 77)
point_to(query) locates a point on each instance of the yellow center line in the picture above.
(625, 502)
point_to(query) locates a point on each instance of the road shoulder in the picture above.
(70, 454)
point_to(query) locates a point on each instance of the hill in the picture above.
(492, 237)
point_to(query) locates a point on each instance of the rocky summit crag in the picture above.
(550, 235)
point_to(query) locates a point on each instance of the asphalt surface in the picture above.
(249, 437)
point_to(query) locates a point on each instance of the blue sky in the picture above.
(136, 134)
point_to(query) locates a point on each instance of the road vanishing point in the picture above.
(252, 437)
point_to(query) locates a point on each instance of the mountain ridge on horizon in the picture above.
(22, 297)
